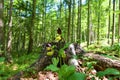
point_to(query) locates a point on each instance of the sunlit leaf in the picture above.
(52, 68)
(108, 71)
(77, 76)
(2, 59)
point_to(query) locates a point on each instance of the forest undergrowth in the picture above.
(85, 72)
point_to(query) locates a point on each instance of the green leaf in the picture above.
(62, 53)
(77, 76)
(108, 71)
(90, 64)
(65, 71)
(55, 61)
(52, 68)
(2, 59)
(66, 45)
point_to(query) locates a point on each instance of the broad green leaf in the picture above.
(108, 71)
(55, 61)
(62, 53)
(52, 68)
(77, 76)
(65, 71)
(2, 59)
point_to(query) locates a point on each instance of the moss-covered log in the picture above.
(103, 61)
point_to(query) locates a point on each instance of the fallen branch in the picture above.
(104, 61)
(44, 60)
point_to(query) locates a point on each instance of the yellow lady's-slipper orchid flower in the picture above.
(48, 48)
(58, 38)
(50, 53)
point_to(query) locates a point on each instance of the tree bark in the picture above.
(109, 22)
(98, 29)
(69, 21)
(30, 46)
(88, 27)
(119, 25)
(105, 62)
(79, 32)
(73, 26)
(1, 26)
(9, 43)
(113, 24)
(44, 20)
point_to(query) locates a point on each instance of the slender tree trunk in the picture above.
(69, 21)
(113, 25)
(44, 20)
(73, 17)
(1, 26)
(9, 44)
(98, 29)
(109, 22)
(66, 24)
(23, 43)
(30, 46)
(78, 21)
(119, 25)
(79, 33)
(88, 28)
(60, 11)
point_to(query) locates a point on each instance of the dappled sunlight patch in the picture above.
(27, 79)
(15, 67)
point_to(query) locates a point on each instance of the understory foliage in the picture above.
(26, 24)
(65, 72)
(20, 63)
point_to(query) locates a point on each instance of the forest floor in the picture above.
(84, 72)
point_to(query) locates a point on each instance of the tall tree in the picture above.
(66, 19)
(119, 25)
(88, 27)
(44, 20)
(113, 24)
(30, 46)
(73, 17)
(79, 32)
(60, 13)
(1, 26)
(109, 22)
(98, 29)
(9, 43)
(69, 21)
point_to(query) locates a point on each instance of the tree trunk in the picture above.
(44, 20)
(69, 21)
(119, 25)
(113, 25)
(60, 15)
(88, 28)
(24, 40)
(98, 29)
(109, 22)
(1, 26)
(66, 22)
(30, 46)
(9, 44)
(79, 33)
(73, 26)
